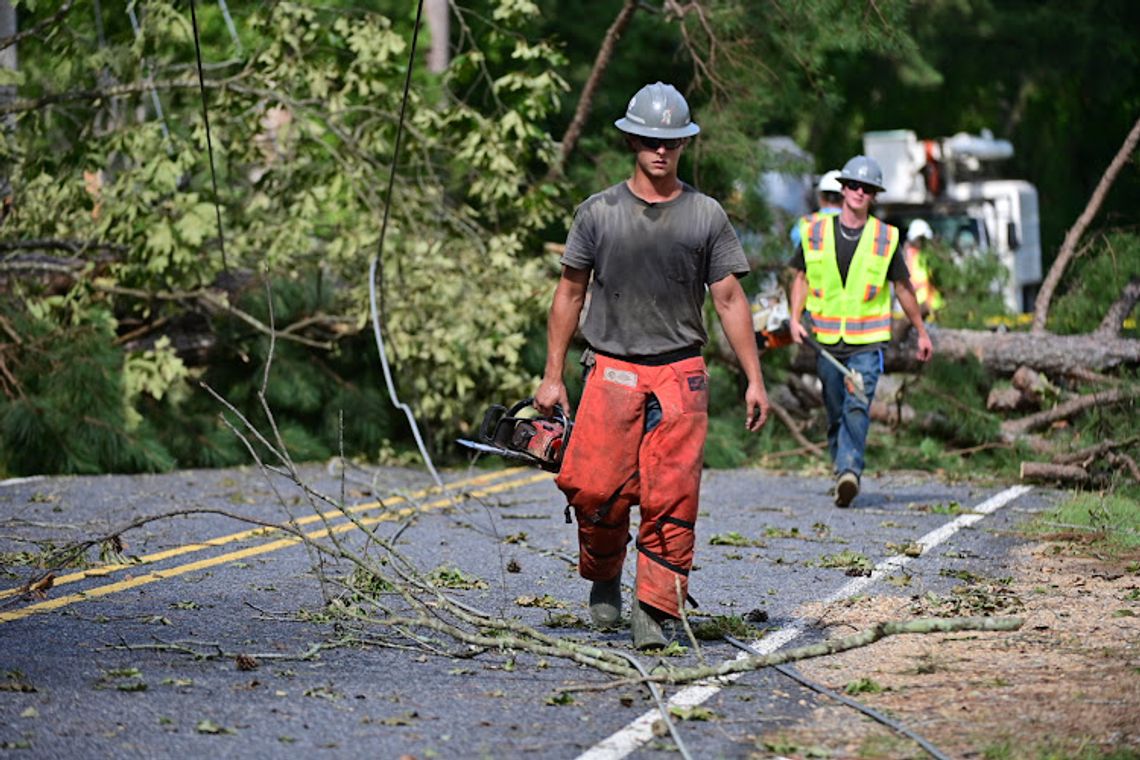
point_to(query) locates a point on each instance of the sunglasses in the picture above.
(867, 189)
(653, 143)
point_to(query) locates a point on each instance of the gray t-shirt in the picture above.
(652, 263)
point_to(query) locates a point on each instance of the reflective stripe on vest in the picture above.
(858, 311)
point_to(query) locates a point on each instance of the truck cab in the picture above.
(953, 184)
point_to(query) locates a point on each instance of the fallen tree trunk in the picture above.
(1002, 353)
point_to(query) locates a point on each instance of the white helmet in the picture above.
(829, 182)
(919, 229)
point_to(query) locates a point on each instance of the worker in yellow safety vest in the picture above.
(842, 269)
(918, 237)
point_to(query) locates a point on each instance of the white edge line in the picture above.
(19, 481)
(640, 730)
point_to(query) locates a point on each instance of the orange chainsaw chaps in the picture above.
(612, 464)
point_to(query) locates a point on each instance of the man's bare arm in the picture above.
(736, 317)
(565, 310)
(908, 300)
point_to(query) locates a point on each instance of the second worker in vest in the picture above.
(841, 273)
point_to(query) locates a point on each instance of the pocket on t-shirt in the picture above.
(686, 263)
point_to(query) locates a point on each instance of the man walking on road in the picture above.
(842, 269)
(653, 245)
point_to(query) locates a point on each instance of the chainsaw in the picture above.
(534, 440)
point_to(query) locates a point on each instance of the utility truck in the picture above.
(953, 184)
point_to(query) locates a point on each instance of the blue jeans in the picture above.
(848, 418)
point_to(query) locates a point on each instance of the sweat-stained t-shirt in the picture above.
(652, 264)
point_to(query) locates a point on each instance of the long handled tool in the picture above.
(852, 380)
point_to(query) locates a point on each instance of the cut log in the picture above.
(1048, 472)
(1013, 428)
(1006, 400)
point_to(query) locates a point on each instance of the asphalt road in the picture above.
(140, 660)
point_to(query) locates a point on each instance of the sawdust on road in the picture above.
(1067, 684)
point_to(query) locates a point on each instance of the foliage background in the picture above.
(120, 298)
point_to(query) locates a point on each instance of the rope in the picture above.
(377, 260)
(209, 141)
(793, 674)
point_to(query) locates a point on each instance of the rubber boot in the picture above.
(645, 625)
(605, 603)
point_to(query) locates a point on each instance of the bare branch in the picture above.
(1120, 309)
(1065, 254)
(21, 105)
(38, 29)
(586, 100)
(783, 416)
(214, 301)
(1013, 428)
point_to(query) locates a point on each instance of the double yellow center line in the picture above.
(473, 487)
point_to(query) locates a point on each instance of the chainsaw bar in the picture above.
(518, 456)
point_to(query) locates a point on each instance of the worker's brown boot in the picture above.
(846, 489)
(651, 628)
(605, 603)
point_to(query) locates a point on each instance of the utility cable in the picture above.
(793, 674)
(230, 26)
(209, 141)
(378, 258)
(661, 705)
(383, 229)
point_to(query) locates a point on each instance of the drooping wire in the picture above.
(209, 141)
(230, 26)
(870, 712)
(378, 259)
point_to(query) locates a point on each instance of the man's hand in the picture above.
(756, 402)
(799, 332)
(549, 393)
(925, 347)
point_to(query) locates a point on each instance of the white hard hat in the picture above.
(829, 182)
(919, 229)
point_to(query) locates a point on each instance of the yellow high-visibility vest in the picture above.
(858, 312)
(924, 290)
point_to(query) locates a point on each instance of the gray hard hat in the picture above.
(863, 169)
(658, 110)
